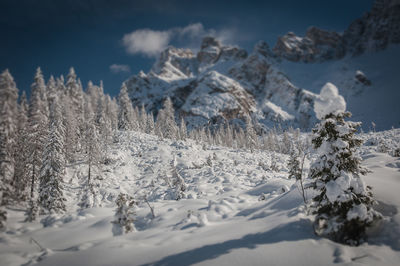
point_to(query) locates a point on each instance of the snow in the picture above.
(223, 220)
(329, 101)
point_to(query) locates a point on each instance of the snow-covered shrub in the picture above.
(343, 203)
(178, 183)
(124, 215)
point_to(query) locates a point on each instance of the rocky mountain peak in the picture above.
(210, 50)
(225, 83)
(175, 63)
(376, 29)
(316, 46)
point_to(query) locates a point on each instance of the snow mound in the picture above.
(329, 101)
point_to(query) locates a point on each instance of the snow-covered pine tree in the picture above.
(21, 173)
(124, 215)
(136, 119)
(8, 128)
(166, 121)
(150, 123)
(182, 130)
(93, 155)
(251, 135)
(294, 165)
(40, 86)
(51, 198)
(143, 119)
(343, 204)
(38, 129)
(125, 115)
(112, 111)
(76, 102)
(228, 136)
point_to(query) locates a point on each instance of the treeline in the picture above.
(62, 122)
(40, 136)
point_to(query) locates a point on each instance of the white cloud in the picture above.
(151, 43)
(116, 68)
(146, 41)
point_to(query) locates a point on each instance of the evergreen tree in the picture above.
(112, 112)
(51, 197)
(150, 124)
(94, 155)
(74, 125)
(38, 128)
(8, 127)
(143, 119)
(343, 204)
(294, 165)
(126, 112)
(21, 173)
(251, 135)
(166, 121)
(182, 130)
(124, 215)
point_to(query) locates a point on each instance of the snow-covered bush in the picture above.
(178, 183)
(343, 203)
(124, 215)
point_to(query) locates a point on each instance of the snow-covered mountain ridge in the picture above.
(224, 83)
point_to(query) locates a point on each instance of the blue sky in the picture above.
(89, 34)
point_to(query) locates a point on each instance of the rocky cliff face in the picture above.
(318, 45)
(224, 83)
(376, 29)
(372, 32)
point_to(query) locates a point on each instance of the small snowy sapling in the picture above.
(124, 215)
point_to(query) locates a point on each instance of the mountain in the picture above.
(225, 83)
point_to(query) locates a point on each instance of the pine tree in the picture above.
(21, 174)
(8, 127)
(294, 165)
(126, 112)
(38, 129)
(124, 215)
(51, 197)
(150, 124)
(343, 204)
(166, 121)
(112, 112)
(182, 130)
(251, 135)
(143, 119)
(75, 117)
(94, 155)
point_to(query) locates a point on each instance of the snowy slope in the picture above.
(235, 212)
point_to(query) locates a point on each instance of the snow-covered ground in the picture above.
(236, 211)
